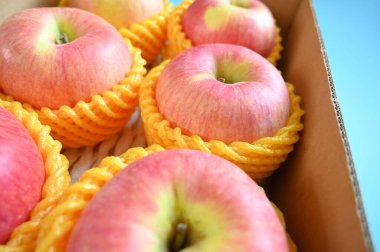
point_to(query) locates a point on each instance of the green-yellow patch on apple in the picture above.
(202, 219)
(64, 28)
(164, 218)
(217, 17)
(46, 39)
(55, 32)
(201, 76)
(232, 71)
(241, 3)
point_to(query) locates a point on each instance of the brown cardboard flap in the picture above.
(314, 187)
(284, 12)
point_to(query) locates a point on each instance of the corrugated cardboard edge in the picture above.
(351, 166)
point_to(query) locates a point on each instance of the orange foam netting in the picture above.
(57, 178)
(178, 42)
(150, 35)
(88, 123)
(58, 225)
(258, 159)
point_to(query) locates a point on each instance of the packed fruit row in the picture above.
(218, 118)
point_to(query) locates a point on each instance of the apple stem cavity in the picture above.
(180, 237)
(63, 39)
(221, 79)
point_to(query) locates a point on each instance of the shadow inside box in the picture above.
(82, 159)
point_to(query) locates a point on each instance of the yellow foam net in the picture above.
(57, 178)
(88, 123)
(178, 41)
(258, 159)
(150, 35)
(58, 225)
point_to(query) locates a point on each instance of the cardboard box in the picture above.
(317, 187)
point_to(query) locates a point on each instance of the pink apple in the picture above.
(181, 200)
(22, 174)
(247, 23)
(223, 92)
(120, 13)
(51, 57)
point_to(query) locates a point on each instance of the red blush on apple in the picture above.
(22, 174)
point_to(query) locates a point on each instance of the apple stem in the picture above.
(63, 38)
(222, 79)
(180, 237)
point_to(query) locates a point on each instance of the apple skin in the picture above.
(35, 69)
(120, 13)
(190, 96)
(223, 21)
(137, 209)
(22, 174)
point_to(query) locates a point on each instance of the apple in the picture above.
(248, 23)
(120, 13)
(223, 92)
(22, 174)
(51, 57)
(179, 200)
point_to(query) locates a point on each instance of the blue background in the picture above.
(351, 33)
